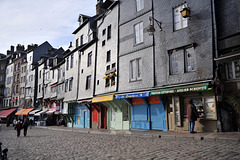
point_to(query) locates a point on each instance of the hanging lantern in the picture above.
(185, 12)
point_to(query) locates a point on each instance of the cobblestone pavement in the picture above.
(42, 143)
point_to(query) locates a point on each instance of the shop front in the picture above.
(148, 112)
(176, 100)
(99, 111)
(82, 116)
(119, 114)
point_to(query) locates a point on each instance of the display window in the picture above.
(205, 106)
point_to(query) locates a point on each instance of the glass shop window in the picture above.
(205, 106)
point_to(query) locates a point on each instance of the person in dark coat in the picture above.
(18, 127)
(25, 127)
(192, 116)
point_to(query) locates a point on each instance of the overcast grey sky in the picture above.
(36, 21)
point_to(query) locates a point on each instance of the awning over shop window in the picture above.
(180, 89)
(85, 101)
(133, 95)
(103, 98)
(24, 111)
(5, 113)
(50, 112)
(39, 113)
(34, 111)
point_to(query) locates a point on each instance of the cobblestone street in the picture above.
(49, 144)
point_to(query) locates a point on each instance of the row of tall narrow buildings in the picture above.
(134, 66)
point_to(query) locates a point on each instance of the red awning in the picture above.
(5, 113)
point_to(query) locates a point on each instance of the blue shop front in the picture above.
(147, 112)
(82, 116)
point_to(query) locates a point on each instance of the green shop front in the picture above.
(118, 111)
(176, 100)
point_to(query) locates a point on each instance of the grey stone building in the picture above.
(227, 45)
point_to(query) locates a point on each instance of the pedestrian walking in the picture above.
(192, 116)
(31, 123)
(14, 122)
(25, 127)
(18, 127)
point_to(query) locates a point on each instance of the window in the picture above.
(109, 32)
(104, 32)
(2, 67)
(76, 42)
(138, 33)
(90, 37)
(139, 5)
(81, 40)
(40, 74)
(1, 78)
(53, 74)
(59, 73)
(88, 82)
(108, 67)
(89, 59)
(66, 86)
(39, 88)
(205, 106)
(109, 56)
(70, 84)
(189, 59)
(113, 65)
(67, 63)
(16, 88)
(233, 69)
(179, 21)
(107, 82)
(72, 56)
(18, 78)
(174, 58)
(103, 43)
(113, 114)
(135, 69)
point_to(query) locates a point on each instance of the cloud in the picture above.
(27, 21)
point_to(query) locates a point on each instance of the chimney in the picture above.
(70, 45)
(20, 47)
(8, 52)
(12, 49)
(32, 46)
(99, 9)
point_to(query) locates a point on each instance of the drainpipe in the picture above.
(219, 121)
(79, 60)
(154, 78)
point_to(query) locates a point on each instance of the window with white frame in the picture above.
(88, 82)
(174, 59)
(66, 86)
(72, 57)
(76, 42)
(135, 69)
(189, 59)
(139, 5)
(178, 20)
(109, 31)
(67, 65)
(138, 33)
(89, 62)
(70, 84)
(233, 70)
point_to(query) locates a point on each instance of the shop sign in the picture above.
(132, 95)
(180, 90)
